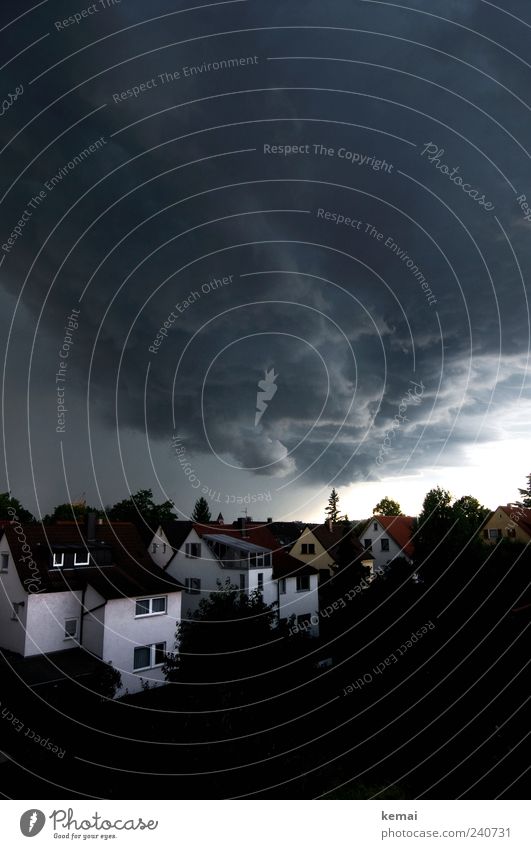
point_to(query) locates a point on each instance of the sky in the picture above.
(317, 213)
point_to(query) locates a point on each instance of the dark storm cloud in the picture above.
(366, 328)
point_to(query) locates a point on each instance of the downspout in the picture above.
(82, 614)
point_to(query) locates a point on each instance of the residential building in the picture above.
(388, 537)
(66, 587)
(507, 522)
(244, 553)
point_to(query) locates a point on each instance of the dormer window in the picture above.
(58, 560)
(81, 559)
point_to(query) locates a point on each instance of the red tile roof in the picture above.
(283, 563)
(131, 573)
(521, 516)
(400, 529)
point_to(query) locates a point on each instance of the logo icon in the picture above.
(32, 822)
(267, 390)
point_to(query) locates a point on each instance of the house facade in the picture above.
(509, 521)
(65, 587)
(388, 537)
(245, 554)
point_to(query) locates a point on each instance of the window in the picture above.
(147, 657)
(193, 586)
(71, 628)
(164, 548)
(154, 548)
(260, 581)
(4, 561)
(242, 582)
(282, 586)
(14, 611)
(81, 559)
(58, 560)
(303, 583)
(267, 560)
(367, 543)
(193, 549)
(511, 532)
(385, 544)
(307, 548)
(375, 526)
(150, 606)
(494, 533)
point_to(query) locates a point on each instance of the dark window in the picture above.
(385, 544)
(303, 583)
(375, 526)
(367, 543)
(193, 549)
(260, 580)
(4, 562)
(282, 586)
(242, 582)
(193, 586)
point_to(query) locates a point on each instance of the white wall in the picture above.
(206, 568)
(381, 558)
(299, 603)
(93, 623)
(12, 632)
(45, 623)
(123, 632)
(164, 551)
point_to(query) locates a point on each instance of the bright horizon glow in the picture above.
(493, 474)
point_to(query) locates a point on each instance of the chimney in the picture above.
(269, 520)
(329, 523)
(91, 527)
(242, 525)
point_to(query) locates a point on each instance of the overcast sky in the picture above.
(331, 193)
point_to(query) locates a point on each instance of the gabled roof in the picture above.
(521, 516)
(261, 536)
(131, 572)
(176, 532)
(400, 529)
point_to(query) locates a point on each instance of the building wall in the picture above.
(163, 550)
(45, 623)
(300, 603)
(206, 568)
(123, 632)
(320, 560)
(499, 520)
(381, 558)
(93, 623)
(12, 632)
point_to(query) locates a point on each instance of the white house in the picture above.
(66, 587)
(388, 537)
(246, 554)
